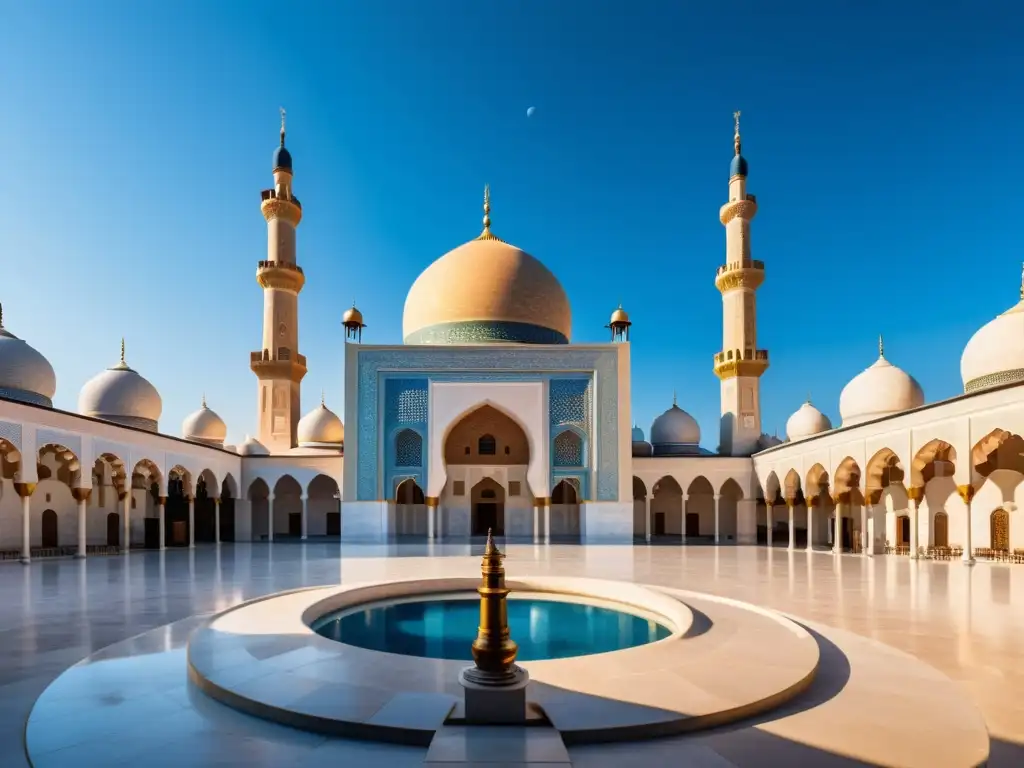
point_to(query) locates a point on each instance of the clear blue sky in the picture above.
(883, 148)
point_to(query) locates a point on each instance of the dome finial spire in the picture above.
(283, 113)
(674, 402)
(736, 137)
(322, 403)
(486, 234)
(122, 352)
(881, 347)
(203, 404)
(1021, 291)
(1, 315)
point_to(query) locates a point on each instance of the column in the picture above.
(81, 495)
(914, 496)
(431, 517)
(864, 542)
(162, 509)
(792, 524)
(870, 534)
(810, 522)
(837, 525)
(682, 522)
(191, 522)
(537, 506)
(769, 517)
(967, 494)
(216, 520)
(304, 517)
(25, 490)
(718, 536)
(547, 520)
(270, 517)
(647, 519)
(125, 497)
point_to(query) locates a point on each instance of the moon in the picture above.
(530, 111)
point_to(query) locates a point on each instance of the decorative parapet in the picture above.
(735, 362)
(748, 273)
(280, 274)
(745, 209)
(274, 207)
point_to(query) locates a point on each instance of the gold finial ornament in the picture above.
(204, 400)
(736, 137)
(283, 113)
(881, 347)
(494, 651)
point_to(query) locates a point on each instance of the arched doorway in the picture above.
(113, 529)
(227, 509)
(999, 525)
(487, 446)
(903, 531)
(488, 508)
(565, 510)
(49, 529)
(667, 509)
(323, 506)
(410, 509)
(287, 517)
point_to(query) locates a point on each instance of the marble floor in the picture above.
(966, 622)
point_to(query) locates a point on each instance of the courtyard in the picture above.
(957, 619)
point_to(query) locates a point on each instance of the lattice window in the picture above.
(1000, 529)
(408, 449)
(568, 450)
(569, 403)
(407, 401)
(487, 446)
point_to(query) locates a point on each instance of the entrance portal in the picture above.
(488, 500)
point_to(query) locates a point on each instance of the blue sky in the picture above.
(882, 145)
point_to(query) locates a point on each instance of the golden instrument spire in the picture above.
(486, 234)
(736, 138)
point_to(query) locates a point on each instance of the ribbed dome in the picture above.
(252, 447)
(25, 375)
(121, 395)
(486, 291)
(675, 432)
(321, 427)
(995, 353)
(204, 426)
(881, 390)
(807, 421)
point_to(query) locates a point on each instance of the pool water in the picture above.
(446, 628)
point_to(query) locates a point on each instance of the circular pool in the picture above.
(445, 627)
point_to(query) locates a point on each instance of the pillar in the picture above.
(810, 523)
(718, 536)
(769, 518)
(81, 495)
(864, 542)
(792, 523)
(967, 494)
(538, 506)
(432, 502)
(125, 497)
(191, 522)
(682, 522)
(914, 496)
(647, 519)
(25, 491)
(162, 509)
(837, 524)
(547, 519)
(216, 520)
(270, 517)
(304, 517)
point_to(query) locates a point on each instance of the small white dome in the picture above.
(25, 375)
(252, 447)
(121, 395)
(807, 421)
(995, 353)
(674, 428)
(881, 390)
(321, 427)
(204, 426)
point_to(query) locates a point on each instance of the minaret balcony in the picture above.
(736, 362)
(747, 273)
(280, 274)
(274, 207)
(745, 209)
(281, 363)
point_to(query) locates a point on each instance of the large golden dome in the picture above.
(487, 291)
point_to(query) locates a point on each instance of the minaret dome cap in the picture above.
(282, 157)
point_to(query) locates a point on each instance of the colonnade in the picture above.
(715, 508)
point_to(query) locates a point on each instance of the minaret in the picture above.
(740, 363)
(278, 365)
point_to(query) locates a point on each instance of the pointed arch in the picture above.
(883, 469)
(667, 508)
(57, 461)
(179, 482)
(10, 460)
(791, 487)
(772, 488)
(936, 458)
(229, 487)
(848, 476)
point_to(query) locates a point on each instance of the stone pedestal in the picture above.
(495, 704)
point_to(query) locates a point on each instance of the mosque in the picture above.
(487, 416)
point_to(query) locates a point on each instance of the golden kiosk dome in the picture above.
(487, 291)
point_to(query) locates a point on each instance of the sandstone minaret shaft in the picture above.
(278, 365)
(740, 363)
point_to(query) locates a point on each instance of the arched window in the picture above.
(408, 449)
(487, 446)
(564, 493)
(568, 449)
